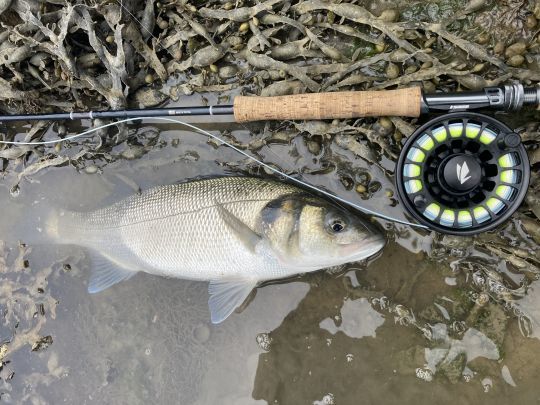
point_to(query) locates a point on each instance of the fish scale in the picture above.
(177, 231)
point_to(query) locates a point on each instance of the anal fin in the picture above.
(228, 294)
(105, 273)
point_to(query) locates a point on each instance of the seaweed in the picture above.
(64, 56)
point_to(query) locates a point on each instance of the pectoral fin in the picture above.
(105, 273)
(244, 233)
(228, 294)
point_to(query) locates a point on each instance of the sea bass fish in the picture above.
(232, 231)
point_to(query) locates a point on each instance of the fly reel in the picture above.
(462, 173)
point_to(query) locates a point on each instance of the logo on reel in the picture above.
(462, 172)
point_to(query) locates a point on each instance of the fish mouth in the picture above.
(350, 253)
(365, 248)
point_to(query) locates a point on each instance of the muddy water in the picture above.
(352, 335)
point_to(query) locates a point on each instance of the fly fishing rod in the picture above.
(460, 173)
(408, 102)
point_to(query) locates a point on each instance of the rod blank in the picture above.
(153, 112)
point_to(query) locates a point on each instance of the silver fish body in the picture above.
(232, 231)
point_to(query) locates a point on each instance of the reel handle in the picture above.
(349, 104)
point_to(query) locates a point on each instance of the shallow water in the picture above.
(352, 335)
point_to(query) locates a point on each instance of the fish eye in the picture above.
(337, 225)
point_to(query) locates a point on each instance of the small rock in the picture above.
(283, 87)
(410, 69)
(162, 24)
(410, 34)
(226, 72)
(313, 147)
(389, 15)
(386, 125)
(516, 60)
(380, 47)
(38, 58)
(92, 169)
(482, 38)
(149, 78)
(478, 67)
(273, 75)
(244, 27)
(399, 55)
(471, 81)
(531, 21)
(148, 97)
(392, 71)
(498, 49)
(518, 48)
(361, 189)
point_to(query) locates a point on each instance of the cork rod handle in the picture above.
(348, 104)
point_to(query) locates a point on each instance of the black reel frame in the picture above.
(433, 191)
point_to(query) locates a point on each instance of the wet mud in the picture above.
(433, 317)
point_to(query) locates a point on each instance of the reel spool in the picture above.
(462, 173)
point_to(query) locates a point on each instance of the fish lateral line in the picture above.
(179, 214)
